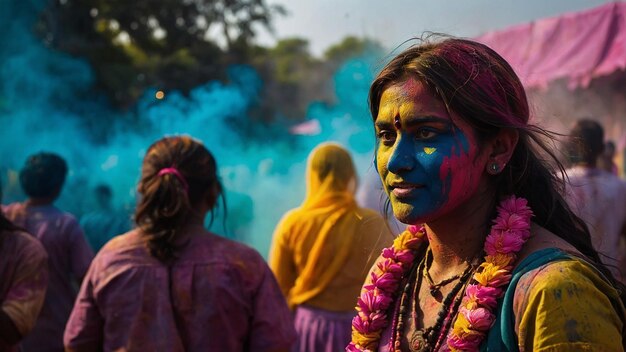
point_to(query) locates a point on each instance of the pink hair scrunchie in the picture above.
(175, 172)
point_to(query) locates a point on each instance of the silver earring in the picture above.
(494, 168)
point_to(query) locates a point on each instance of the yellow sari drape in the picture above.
(326, 217)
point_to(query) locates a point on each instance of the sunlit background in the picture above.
(97, 81)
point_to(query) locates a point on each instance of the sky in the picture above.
(391, 22)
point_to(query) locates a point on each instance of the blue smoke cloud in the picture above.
(44, 94)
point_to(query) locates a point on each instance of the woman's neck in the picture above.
(458, 238)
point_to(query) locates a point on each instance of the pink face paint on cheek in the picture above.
(460, 177)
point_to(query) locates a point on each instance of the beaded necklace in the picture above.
(435, 288)
(428, 339)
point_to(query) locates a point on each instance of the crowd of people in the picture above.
(504, 249)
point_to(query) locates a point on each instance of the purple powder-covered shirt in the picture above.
(23, 280)
(69, 257)
(218, 295)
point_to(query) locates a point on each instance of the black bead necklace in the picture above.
(428, 339)
(435, 288)
(398, 324)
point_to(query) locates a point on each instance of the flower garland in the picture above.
(508, 234)
(376, 297)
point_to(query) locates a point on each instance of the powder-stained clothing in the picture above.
(566, 305)
(599, 198)
(69, 257)
(218, 295)
(561, 305)
(23, 280)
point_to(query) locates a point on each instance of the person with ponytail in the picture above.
(492, 258)
(322, 251)
(23, 283)
(169, 284)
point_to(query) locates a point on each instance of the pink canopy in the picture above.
(575, 46)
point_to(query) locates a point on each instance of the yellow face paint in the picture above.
(429, 150)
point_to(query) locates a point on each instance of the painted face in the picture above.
(427, 159)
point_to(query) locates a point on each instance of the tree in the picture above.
(351, 47)
(172, 44)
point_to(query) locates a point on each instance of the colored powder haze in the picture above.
(44, 94)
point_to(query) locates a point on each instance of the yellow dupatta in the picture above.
(331, 180)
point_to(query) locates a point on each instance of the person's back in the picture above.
(595, 195)
(170, 285)
(24, 273)
(209, 298)
(599, 198)
(69, 254)
(322, 251)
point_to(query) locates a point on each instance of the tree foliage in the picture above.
(170, 44)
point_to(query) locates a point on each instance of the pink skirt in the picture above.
(322, 330)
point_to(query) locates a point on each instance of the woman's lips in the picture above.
(405, 190)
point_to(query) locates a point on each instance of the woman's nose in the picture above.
(402, 156)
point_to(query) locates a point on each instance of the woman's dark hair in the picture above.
(477, 84)
(43, 175)
(167, 199)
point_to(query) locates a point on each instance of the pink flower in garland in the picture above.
(514, 205)
(503, 242)
(481, 295)
(465, 343)
(513, 222)
(479, 318)
(385, 281)
(391, 267)
(405, 256)
(369, 302)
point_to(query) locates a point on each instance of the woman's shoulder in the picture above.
(129, 239)
(541, 239)
(567, 304)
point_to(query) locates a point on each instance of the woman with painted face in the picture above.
(493, 257)
(170, 285)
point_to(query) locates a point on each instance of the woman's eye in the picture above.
(425, 133)
(387, 136)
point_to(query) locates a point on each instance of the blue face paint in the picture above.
(425, 160)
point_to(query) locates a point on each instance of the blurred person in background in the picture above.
(596, 195)
(23, 283)
(606, 161)
(104, 222)
(322, 251)
(69, 255)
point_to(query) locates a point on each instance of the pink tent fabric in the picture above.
(575, 46)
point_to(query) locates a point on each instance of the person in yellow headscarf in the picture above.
(322, 251)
